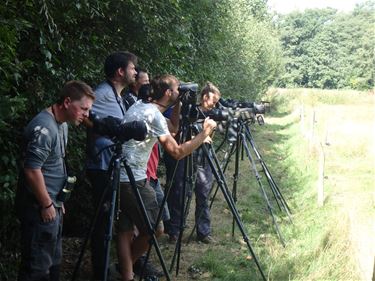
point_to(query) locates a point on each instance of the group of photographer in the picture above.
(143, 107)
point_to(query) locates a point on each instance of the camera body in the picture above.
(188, 93)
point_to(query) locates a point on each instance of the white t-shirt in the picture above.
(137, 153)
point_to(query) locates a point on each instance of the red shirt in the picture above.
(152, 164)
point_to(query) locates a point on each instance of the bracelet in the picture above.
(49, 206)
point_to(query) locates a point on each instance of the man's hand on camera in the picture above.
(208, 140)
(208, 126)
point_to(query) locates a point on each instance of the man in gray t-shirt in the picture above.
(43, 177)
(163, 93)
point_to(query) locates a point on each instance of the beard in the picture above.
(129, 79)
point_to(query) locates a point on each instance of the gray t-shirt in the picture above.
(137, 153)
(46, 141)
(106, 104)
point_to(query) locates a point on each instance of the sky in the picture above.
(287, 6)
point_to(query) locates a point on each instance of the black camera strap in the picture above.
(117, 97)
(62, 140)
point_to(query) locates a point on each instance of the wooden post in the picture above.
(320, 184)
(313, 125)
(311, 134)
(302, 120)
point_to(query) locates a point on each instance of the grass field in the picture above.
(332, 242)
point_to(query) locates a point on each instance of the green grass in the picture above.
(320, 245)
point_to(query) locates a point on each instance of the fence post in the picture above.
(320, 184)
(302, 120)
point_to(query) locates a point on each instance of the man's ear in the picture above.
(121, 71)
(67, 101)
(169, 92)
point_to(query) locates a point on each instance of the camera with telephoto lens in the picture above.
(190, 110)
(115, 129)
(214, 114)
(256, 108)
(246, 111)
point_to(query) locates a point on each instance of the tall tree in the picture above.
(326, 49)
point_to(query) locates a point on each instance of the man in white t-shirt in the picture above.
(163, 94)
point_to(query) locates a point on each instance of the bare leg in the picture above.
(125, 240)
(141, 243)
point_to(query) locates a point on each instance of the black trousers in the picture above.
(98, 180)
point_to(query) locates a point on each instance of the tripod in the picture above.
(281, 202)
(113, 186)
(240, 143)
(184, 194)
(220, 178)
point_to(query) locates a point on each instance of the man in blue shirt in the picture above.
(119, 68)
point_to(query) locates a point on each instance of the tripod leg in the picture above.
(108, 237)
(222, 184)
(225, 163)
(93, 223)
(252, 162)
(149, 228)
(235, 175)
(275, 189)
(184, 201)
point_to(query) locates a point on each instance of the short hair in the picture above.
(117, 60)
(160, 84)
(209, 88)
(139, 70)
(75, 90)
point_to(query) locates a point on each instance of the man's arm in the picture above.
(179, 151)
(36, 182)
(37, 151)
(174, 120)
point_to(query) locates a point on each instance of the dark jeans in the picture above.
(203, 183)
(155, 184)
(98, 180)
(41, 250)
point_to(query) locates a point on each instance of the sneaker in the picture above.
(206, 239)
(148, 271)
